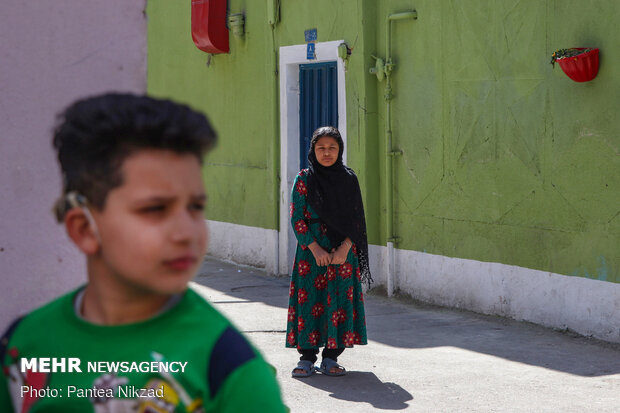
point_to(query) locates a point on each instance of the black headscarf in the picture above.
(334, 193)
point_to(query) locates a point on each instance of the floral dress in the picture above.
(326, 304)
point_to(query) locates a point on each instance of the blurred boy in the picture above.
(133, 201)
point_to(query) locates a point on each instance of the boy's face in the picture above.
(152, 228)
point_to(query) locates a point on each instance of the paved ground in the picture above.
(422, 358)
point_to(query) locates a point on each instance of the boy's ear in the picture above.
(81, 232)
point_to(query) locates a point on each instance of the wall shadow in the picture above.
(407, 324)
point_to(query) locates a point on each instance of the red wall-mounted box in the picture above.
(209, 30)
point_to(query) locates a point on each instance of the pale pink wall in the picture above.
(52, 52)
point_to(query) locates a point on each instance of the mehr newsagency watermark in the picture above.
(75, 365)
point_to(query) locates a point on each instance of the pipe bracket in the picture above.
(378, 69)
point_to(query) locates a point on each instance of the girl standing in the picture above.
(326, 303)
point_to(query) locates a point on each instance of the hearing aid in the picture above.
(77, 200)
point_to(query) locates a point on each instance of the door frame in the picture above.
(290, 59)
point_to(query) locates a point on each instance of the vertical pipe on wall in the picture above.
(389, 150)
(273, 16)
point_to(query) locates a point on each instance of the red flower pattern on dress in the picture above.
(313, 338)
(301, 188)
(300, 323)
(331, 273)
(320, 282)
(292, 209)
(331, 343)
(335, 318)
(301, 227)
(329, 300)
(307, 214)
(338, 317)
(354, 248)
(291, 291)
(290, 338)
(345, 270)
(358, 274)
(302, 296)
(350, 293)
(291, 313)
(354, 314)
(357, 338)
(318, 309)
(303, 267)
(361, 296)
(304, 172)
(348, 338)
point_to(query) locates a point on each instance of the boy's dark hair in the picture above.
(95, 135)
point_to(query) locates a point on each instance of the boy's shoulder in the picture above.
(236, 367)
(56, 307)
(51, 312)
(28, 328)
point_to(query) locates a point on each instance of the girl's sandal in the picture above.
(328, 364)
(307, 368)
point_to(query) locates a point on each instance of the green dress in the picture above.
(326, 304)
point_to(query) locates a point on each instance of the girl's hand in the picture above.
(340, 255)
(321, 256)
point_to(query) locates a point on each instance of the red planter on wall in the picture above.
(580, 68)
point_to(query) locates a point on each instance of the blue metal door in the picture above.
(318, 102)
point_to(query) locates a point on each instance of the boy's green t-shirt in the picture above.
(211, 366)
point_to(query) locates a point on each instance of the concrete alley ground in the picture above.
(423, 358)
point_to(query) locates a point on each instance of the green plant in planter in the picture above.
(562, 53)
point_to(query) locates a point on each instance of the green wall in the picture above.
(504, 158)
(236, 91)
(508, 160)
